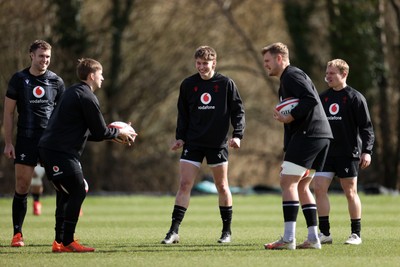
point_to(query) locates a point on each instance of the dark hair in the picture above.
(206, 53)
(39, 44)
(87, 66)
(275, 49)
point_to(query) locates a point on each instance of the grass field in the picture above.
(127, 230)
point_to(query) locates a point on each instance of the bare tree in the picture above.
(146, 48)
(392, 57)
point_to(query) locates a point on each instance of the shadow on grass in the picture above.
(135, 248)
(160, 248)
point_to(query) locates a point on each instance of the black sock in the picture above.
(290, 210)
(324, 225)
(177, 216)
(35, 197)
(310, 214)
(356, 227)
(226, 216)
(19, 207)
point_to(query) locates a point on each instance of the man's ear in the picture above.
(91, 76)
(279, 58)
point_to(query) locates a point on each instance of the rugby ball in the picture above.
(121, 125)
(286, 106)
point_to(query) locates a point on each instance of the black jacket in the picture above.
(205, 110)
(350, 121)
(76, 118)
(309, 116)
(36, 98)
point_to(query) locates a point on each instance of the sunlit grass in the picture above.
(127, 230)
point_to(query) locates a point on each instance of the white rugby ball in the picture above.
(121, 125)
(286, 106)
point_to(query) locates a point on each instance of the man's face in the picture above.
(334, 78)
(271, 64)
(98, 79)
(40, 60)
(205, 68)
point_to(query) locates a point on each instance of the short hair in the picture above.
(275, 49)
(206, 53)
(39, 44)
(340, 64)
(87, 66)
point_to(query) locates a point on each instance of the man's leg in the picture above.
(23, 177)
(349, 186)
(290, 205)
(321, 186)
(37, 189)
(188, 174)
(61, 200)
(74, 187)
(310, 214)
(220, 174)
(291, 175)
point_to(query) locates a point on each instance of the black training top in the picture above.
(205, 109)
(36, 98)
(350, 121)
(309, 116)
(76, 117)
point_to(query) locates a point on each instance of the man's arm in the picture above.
(8, 125)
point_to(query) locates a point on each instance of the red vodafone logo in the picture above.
(334, 109)
(205, 98)
(38, 91)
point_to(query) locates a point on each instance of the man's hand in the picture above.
(177, 144)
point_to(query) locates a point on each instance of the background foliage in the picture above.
(147, 47)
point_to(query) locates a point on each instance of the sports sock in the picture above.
(35, 197)
(310, 214)
(324, 225)
(356, 227)
(226, 216)
(289, 233)
(19, 207)
(177, 216)
(290, 211)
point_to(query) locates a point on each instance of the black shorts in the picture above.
(59, 165)
(343, 167)
(26, 151)
(307, 152)
(213, 156)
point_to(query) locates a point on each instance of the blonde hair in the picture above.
(340, 64)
